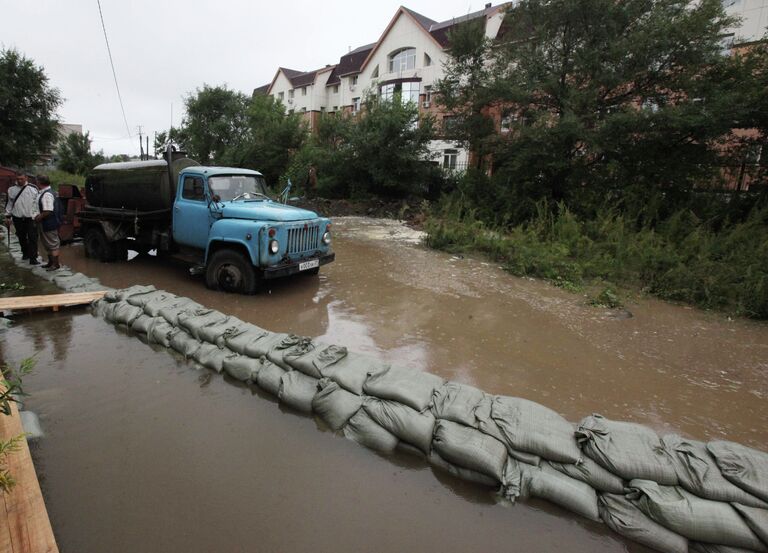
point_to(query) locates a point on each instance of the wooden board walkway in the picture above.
(54, 301)
(24, 523)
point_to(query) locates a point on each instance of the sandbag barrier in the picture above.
(667, 493)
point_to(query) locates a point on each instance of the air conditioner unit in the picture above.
(290, 100)
(352, 88)
(425, 103)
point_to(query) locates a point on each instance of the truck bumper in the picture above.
(293, 268)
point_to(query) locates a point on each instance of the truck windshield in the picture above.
(229, 187)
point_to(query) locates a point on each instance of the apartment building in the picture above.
(405, 62)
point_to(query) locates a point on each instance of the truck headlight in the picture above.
(326, 238)
(274, 246)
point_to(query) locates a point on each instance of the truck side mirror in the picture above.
(216, 198)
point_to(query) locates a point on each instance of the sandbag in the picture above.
(698, 473)
(288, 344)
(469, 448)
(242, 368)
(217, 333)
(335, 405)
(246, 334)
(409, 386)
(297, 390)
(143, 324)
(457, 403)
(546, 483)
(153, 308)
(756, 519)
(351, 371)
(159, 332)
(591, 473)
(407, 424)
(626, 449)
(362, 429)
(693, 517)
(193, 321)
(312, 360)
(172, 313)
(485, 423)
(742, 465)
(460, 472)
(211, 357)
(123, 312)
(143, 299)
(269, 377)
(125, 293)
(527, 426)
(624, 518)
(699, 547)
(72, 282)
(261, 346)
(183, 343)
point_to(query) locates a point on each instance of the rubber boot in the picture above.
(33, 261)
(54, 264)
(50, 262)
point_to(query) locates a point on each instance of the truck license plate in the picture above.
(309, 265)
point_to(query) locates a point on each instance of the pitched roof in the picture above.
(303, 79)
(440, 31)
(353, 61)
(422, 20)
(263, 89)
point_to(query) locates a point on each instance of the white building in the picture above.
(406, 61)
(754, 19)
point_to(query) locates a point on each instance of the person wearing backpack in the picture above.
(49, 221)
(22, 209)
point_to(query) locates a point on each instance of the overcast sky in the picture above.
(164, 49)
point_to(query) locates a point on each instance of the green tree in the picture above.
(383, 151)
(75, 154)
(28, 123)
(271, 140)
(599, 98)
(216, 121)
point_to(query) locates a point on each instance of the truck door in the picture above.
(191, 217)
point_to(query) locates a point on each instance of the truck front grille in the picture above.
(303, 239)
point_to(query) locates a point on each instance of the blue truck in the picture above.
(220, 220)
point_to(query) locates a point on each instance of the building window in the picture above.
(450, 159)
(290, 111)
(407, 92)
(355, 105)
(322, 109)
(375, 74)
(427, 96)
(508, 119)
(303, 90)
(450, 124)
(401, 60)
(290, 94)
(335, 108)
(353, 80)
(427, 60)
(281, 95)
(303, 110)
(335, 89)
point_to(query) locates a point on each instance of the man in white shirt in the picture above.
(22, 208)
(49, 222)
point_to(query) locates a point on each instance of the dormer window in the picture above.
(401, 60)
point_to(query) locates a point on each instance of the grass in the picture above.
(682, 259)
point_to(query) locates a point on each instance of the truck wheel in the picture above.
(96, 245)
(230, 271)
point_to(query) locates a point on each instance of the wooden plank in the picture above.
(49, 300)
(25, 528)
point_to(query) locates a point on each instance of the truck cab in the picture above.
(243, 235)
(219, 219)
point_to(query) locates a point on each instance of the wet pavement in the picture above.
(143, 452)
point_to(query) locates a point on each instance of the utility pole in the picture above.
(141, 142)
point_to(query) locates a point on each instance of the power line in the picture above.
(112, 63)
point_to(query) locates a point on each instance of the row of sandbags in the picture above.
(668, 493)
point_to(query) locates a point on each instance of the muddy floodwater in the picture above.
(144, 452)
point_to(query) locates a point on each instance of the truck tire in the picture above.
(230, 271)
(97, 246)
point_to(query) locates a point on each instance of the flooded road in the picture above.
(143, 452)
(671, 367)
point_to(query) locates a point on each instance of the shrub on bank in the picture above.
(717, 265)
